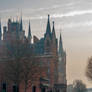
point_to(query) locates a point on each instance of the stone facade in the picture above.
(46, 51)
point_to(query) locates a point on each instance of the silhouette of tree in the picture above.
(89, 69)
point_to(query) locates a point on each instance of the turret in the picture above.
(54, 40)
(48, 28)
(29, 33)
(62, 64)
(0, 31)
(60, 45)
(48, 38)
(53, 33)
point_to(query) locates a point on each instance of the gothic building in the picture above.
(46, 51)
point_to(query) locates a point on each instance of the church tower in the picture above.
(0, 31)
(61, 63)
(29, 33)
(47, 38)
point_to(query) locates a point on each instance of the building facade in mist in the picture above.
(46, 51)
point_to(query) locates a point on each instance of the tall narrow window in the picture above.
(34, 89)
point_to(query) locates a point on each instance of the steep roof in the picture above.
(48, 28)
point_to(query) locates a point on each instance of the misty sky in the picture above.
(73, 17)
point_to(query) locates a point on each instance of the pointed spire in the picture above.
(48, 29)
(60, 45)
(29, 33)
(0, 30)
(21, 24)
(53, 31)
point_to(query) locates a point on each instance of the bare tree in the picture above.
(89, 69)
(79, 86)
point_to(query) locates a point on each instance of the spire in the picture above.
(0, 30)
(21, 24)
(29, 33)
(53, 31)
(48, 29)
(60, 45)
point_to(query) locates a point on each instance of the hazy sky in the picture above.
(74, 17)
